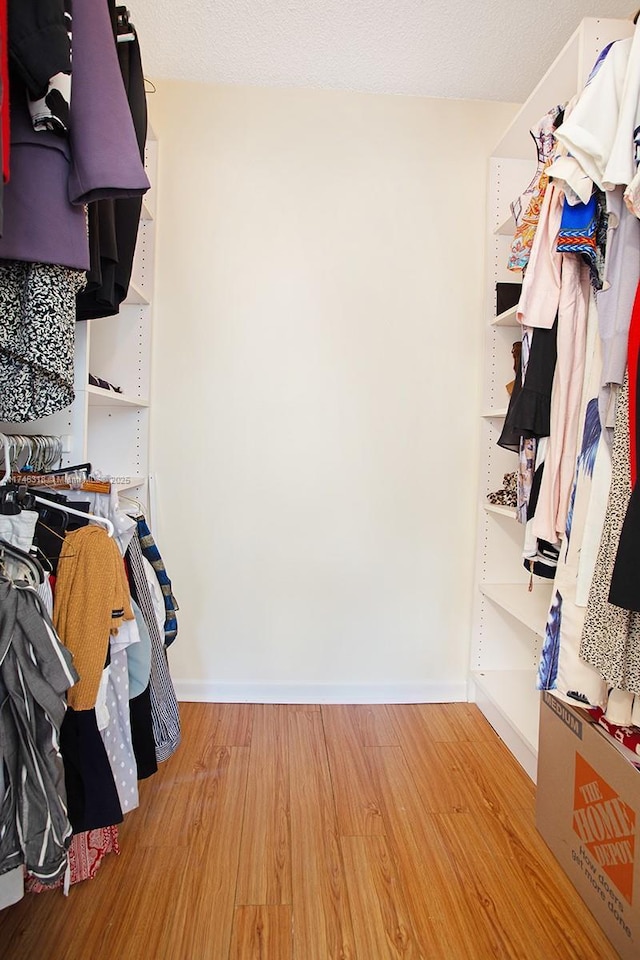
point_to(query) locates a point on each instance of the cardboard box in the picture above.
(588, 811)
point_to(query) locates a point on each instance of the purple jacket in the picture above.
(51, 177)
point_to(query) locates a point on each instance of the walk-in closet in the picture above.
(319, 536)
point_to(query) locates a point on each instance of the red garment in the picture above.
(86, 853)
(4, 102)
(627, 736)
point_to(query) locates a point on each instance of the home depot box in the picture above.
(588, 811)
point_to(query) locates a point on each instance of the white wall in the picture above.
(317, 343)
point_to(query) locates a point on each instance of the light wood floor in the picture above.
(322, 833)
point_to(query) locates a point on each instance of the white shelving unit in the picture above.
(506, 319)
(509, 619)
(501, 510)
(108, 429)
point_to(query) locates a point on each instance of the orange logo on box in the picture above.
(606, 825)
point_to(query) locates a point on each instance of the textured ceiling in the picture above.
(491, 49)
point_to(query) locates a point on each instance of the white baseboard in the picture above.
(200, 691)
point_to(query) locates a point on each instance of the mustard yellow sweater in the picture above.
(91, 601)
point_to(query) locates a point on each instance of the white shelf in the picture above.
(501, 510)
(130, 484)
(146, 212)
(507, 319)
(507, 228)
(497, 413)
(135, 295)
(528, 607)
(108, 398)
(511, 704)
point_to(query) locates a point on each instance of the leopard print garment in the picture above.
(37, 334)
(611, 636)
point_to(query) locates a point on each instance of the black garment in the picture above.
(144, 747)
(92, 797)
(546, 559)
(529, 413)
(39, 45)
(511, 434)
(113, 224)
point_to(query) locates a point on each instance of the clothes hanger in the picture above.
(30, 562)
(47, 503)
(77, 513)
(136, 503)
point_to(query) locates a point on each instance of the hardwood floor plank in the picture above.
(322, 921)
(162, 810)
(232, 724)
(207, 896)
(264, 875)
(455, 721)
(357, 807)
(374, 725)
(262, 933)
(447, 791)
(502, 774)
(496, 906)
(416, 852)
(382, 924)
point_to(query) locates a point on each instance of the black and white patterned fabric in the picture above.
(164, 705)
(611, 635)
(37, 335)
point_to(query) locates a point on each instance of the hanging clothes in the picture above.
(37, 336)
(589, 132)
(151, 552)
(576, 300)
(91, 602)
(615, 302)
(86, 853)
(5, 131)
(40, 48)
(92, 796)
(625, 578)
(53, 177)
(164, 705)
(611, 636)
(35, 672)
(561, 668)
(116, 735)
(526, 209)
(113, 224)
(529, 413)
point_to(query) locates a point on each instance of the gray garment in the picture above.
(35, 673)
(117, 734)
(615, 304)
(165, 715)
